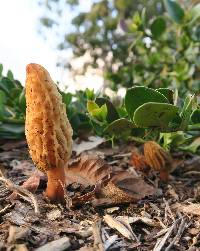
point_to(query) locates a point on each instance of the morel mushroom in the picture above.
(48, 131)
(158, 159)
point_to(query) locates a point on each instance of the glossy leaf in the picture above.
(11, 131)
(174, 10)
(169, 94)
(100, 113)
(193, 146)
(155, 115)
(138, 96)
(158, 27)
(195, 117)
(67, 98)
(10, 75)
(119, 126)
(91, 105)
(112, 112)
(186, 112)
(195, 13)
(1, 69)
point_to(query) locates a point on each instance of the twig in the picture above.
(20, 191)
(177, 237)
(168, 209)
(161, 242)
(109, 242)
(2, 211)
(98, 244)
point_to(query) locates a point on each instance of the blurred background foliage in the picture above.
(133, 42)
(151, 48)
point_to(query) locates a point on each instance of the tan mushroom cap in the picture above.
(156, 157)
(48, 131)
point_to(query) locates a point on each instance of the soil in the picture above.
(168, 220)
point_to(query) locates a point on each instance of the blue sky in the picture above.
(21, 43)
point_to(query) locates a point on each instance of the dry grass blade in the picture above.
(109, 242)
(21, 192)
(177, 237)
(161, 242)
(98, 243)
(2, 211)
(120, 227)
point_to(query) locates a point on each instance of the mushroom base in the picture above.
(55, 190)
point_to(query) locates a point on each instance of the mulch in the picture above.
(168, 220)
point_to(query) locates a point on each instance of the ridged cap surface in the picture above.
(48, 131)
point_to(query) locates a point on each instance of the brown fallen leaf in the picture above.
(118, 186)
(121, 226)
(125, 187)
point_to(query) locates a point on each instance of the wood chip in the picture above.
(193, 209)
(98, 243)
(58, 245)
(144, 220)
(114, 223)
(54, 214)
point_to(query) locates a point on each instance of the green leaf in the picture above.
(172, 139)
(137, 96)
(174, 10)
(194, 13)
(169, 94)
(91, 105)
(112, 114)
(1, 69)
(155, 115)
(100, 113)
(2, 101)
(67, 98)
(119, 126)
(10, 75)
(195, 117)
(90, 94)
(11, 131)
(195, 33)
(158, 27)
(193, 146)
(22, 101)
(186, 112)
(7, 85)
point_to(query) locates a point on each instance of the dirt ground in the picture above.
(167, 220)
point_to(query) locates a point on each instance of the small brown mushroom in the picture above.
(158, 159)
(48, 131)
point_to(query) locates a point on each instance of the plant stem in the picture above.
(195, 127)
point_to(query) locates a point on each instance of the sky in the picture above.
(21, 44)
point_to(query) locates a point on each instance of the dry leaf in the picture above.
(119, 226)
(87, 170)
(158, 159)
(135, 219)
(93, 141)
(125, 187)
(117, 186)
